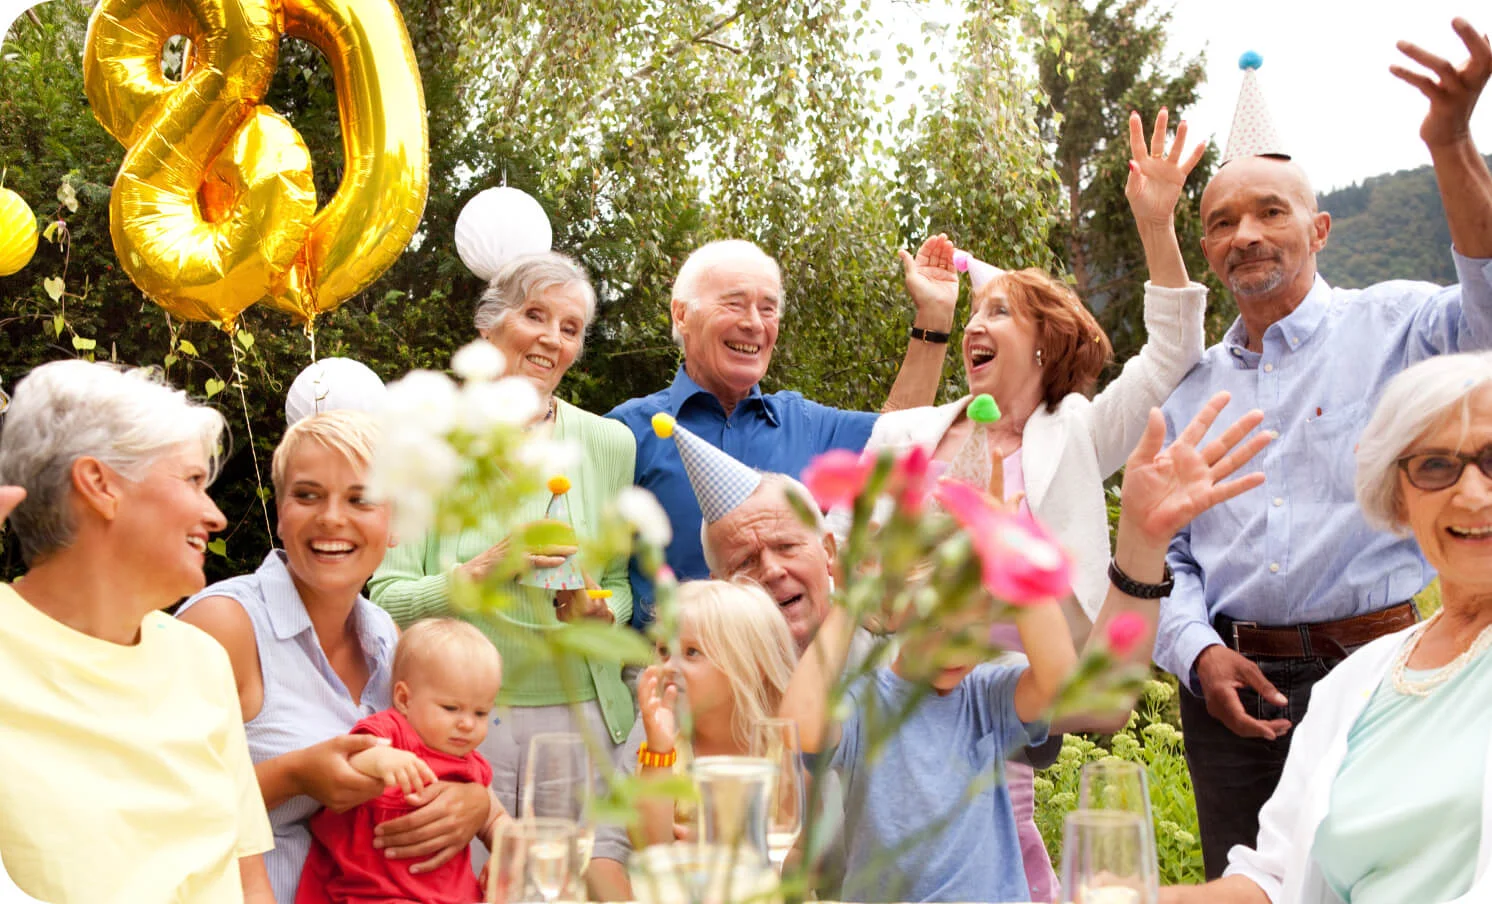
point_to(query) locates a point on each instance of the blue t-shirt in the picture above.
(929, 817)
(780, 432)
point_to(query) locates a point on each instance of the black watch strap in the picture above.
(918, 332)
(1131, 587)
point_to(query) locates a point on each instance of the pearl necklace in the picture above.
(1425, 686)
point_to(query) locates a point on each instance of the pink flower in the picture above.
(1019, 561)
(911, 474)
(1125, 631)
(836, 477)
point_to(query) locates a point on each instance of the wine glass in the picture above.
(532, 859)
(1105, 859)
(777, 740)
(557, 783)
(1118, 785)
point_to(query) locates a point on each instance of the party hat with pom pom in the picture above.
(1253, 133)
(566, 576)
(979, 272)
(720, 482)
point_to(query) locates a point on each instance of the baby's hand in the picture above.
(394, 768)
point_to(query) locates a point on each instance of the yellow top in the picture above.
(663, 425)
(559, 485)
(126, 774)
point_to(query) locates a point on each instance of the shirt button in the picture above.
(1294, 340)
(1269, 368)
(1274, 567)
(1279, 500)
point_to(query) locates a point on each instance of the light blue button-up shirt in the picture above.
(1297, 549)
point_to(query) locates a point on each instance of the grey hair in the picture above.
(525, 276)
(1413, 403)
(66, 410)
(770, 481)
(707, 257)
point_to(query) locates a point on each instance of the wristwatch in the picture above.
(934, 336)
(1131, 587)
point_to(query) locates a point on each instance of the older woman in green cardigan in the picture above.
(535, 311)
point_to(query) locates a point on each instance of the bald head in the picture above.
(1261, 232)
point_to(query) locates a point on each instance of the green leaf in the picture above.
(84, 345)
(67, 197)
(54, 286)
(546, 533)
(603, 642)
(169, 360)
(218, 547)
(58, 324)
(213, 386)
(50, 233)
(187, 348)
(245, 338)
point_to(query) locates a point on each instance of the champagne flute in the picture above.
(1118, 785)
(531, 859)
(558, 782)
(1105, 859)
(777, 740)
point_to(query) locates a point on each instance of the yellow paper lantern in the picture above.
(17, 232)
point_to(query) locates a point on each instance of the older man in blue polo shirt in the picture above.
(727, 305)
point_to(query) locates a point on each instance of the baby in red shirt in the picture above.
(446, 676)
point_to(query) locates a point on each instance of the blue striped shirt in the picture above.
(305, 702)
(1297, 550)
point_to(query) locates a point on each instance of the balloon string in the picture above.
(310, 329)
(238, 379)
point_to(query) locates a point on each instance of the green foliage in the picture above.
(1152, 739)
(1098, 62)
(1388, 227)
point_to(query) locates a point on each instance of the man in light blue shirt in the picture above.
(726, 307)
(1274, 587)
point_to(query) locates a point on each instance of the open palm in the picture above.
(1157, 176)
(930, 278)
(1164, 489)
(659, 711)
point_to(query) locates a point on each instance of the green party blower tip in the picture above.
(983, 409)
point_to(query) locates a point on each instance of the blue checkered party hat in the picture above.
(720, 482)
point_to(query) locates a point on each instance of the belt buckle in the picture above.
(1237, 647)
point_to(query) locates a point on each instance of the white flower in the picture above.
(422, 402)
(642, 511)
(511, 400)
(478, 361)
(410, 471)
(553, 456)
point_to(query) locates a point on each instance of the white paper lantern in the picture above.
(498, 225)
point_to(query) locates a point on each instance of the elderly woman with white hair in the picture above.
(535, 312)
(126, 773)
(1357, 816)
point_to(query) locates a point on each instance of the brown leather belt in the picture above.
(1326, 640)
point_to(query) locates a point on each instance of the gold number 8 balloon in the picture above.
(214, 208)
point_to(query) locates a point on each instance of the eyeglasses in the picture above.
(1440, 470)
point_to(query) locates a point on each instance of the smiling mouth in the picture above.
(1470, 533)
(540, 360)
(197, 543)
(332, 548)
(980, 355)
(790, 602)
(744, 348)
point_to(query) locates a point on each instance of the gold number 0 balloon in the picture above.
(214, 207)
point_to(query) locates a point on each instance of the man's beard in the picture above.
(1254, 284)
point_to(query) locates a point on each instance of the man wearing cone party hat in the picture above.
(1274, 588)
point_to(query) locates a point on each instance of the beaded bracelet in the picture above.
(649, 759)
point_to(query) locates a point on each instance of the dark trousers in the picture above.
(1232, 777)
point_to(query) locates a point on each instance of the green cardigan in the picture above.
(413, 581)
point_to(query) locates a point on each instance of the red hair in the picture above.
(1073, 347)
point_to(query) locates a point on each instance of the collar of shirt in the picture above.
(1293, 330)
(683, 389)
(287, 613)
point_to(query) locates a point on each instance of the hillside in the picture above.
(1389, 227)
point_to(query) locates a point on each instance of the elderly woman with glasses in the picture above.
(1357, 817)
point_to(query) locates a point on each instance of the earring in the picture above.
(1038, 357)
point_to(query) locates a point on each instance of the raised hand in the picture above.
(932, 282)
(659, 708)
(1164, 489)
(1453, 91)
(1156, 176)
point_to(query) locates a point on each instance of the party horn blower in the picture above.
(979, 272)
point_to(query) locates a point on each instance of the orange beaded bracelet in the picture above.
(649, 759)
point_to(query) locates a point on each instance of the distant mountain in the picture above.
(1389, 227)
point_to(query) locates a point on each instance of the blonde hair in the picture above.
(351, 434)
(741, 632)
(446, 640)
